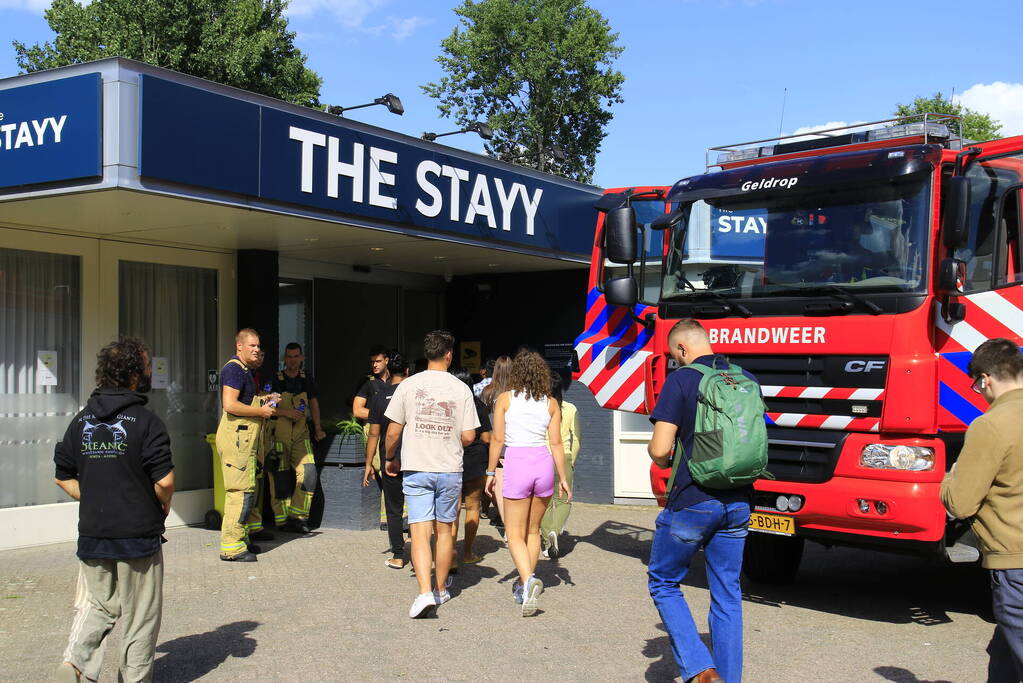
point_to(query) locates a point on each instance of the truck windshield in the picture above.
(866, 238)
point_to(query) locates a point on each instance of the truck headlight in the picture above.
(887, 457)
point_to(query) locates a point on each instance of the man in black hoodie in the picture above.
(116, 459)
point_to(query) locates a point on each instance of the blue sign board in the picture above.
(738, 235)
(199, 138)
(51, 132)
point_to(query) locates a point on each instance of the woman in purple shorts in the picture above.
(525, 420)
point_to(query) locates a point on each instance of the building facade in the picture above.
(135, 200)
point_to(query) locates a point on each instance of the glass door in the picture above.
(45, 284)
(173, 299)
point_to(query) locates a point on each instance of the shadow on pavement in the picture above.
(624, 539)
(191, 657)
(664, 667)
(900, 675)
(901, 589)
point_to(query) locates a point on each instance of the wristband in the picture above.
(491, 474)
(391, 459)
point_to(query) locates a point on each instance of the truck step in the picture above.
(960, 552)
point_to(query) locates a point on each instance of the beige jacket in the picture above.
(987, 482)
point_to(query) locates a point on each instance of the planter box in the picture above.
(344, 449)
(347, 504)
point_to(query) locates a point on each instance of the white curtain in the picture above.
(174, 309)
(40, 310)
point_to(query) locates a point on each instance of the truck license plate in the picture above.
(772, 524)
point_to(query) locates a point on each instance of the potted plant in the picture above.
(347, 441)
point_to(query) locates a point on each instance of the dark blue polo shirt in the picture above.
(234, 376)
(677, 405)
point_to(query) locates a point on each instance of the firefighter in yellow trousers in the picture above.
(239, 444)
(290, 466)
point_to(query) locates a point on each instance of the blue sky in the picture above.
(699, 73)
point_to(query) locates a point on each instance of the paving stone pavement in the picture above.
(325, 608)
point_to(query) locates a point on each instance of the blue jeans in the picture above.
(720, 529)
(1006, 646)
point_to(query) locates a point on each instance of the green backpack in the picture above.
(729, 436)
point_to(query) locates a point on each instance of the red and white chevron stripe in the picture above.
(858, 424)
(841, 393)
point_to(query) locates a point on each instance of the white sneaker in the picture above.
(440, 597)
(423, 606)
(530, 594)
(553, 552)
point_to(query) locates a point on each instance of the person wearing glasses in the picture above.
(986, 484)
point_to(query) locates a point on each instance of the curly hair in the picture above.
(531, 375)
(120, 362)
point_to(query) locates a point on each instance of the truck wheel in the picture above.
(212, 520)
(772, 559)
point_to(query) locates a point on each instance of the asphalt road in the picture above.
(325, 608)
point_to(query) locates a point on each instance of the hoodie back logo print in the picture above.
(101, 440)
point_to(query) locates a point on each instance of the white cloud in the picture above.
(803, 131)
(1002, 101)
(357, 15)
(27, 5)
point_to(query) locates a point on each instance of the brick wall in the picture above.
(594, 470)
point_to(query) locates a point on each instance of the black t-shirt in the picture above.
(474, 456)
(295, 385)
(371, 387)
(377, 406)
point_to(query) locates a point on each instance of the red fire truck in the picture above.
(852, 272)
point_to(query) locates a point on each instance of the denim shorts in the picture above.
(432, 496)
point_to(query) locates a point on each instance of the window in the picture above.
(40, 375)
(990, 181)
(174, 308)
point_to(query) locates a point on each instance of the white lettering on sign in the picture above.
(767, 335)
(31, 133)
(742, 224)
(767, 183)
(369, 180)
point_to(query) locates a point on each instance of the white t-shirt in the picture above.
(435, 408)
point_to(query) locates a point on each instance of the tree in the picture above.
(538, 72)
(976, 126)
(243, 43)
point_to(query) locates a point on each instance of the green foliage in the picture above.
(348, 428)
(976, 126)
(243, 43)
(539, 73)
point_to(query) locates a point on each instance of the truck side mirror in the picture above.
(956, 214)
(951, 277)
(620, 235)
(668, 220)
(621, 291)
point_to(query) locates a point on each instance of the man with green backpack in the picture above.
(709, 426)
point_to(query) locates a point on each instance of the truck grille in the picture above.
(812, 403)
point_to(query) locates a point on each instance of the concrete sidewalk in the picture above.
(325, 608)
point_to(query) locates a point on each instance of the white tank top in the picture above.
(525, 422)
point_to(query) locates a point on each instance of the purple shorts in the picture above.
(528, 471)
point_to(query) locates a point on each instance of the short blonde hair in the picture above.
(243, 333)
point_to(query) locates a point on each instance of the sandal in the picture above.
(394, 563)
(472, 559)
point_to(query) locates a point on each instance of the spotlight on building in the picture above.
(478, 127)
(389, 100)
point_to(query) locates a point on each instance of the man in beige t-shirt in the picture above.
(434, 416)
